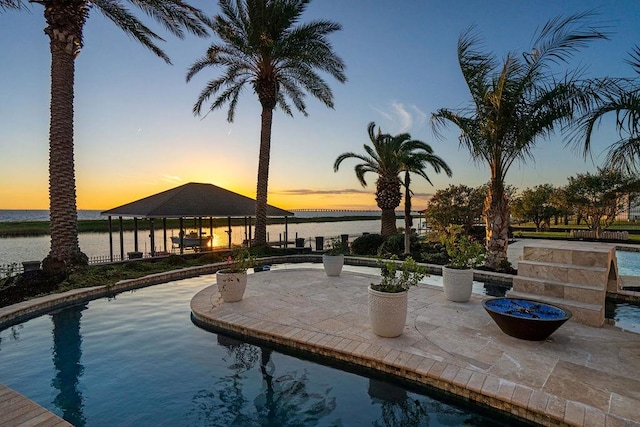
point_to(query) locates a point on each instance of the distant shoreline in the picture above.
(41, 228)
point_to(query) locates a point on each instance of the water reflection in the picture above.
(494, 289)
(625, 315)
(67, 352)
(282, 399)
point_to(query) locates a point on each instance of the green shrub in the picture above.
(367, 244)
(394, 245)
(175, 260)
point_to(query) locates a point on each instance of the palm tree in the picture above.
(414, 158)
(622, 97)
(388, 156)
(65, 23)
(263, 45)
(514, 104)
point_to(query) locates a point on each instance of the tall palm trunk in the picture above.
(263, 175)
(65, 32)
(497, 223)
(408, 221)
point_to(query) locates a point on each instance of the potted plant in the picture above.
(333, 258)
(232, 280)
(464, 254)
(388, 300)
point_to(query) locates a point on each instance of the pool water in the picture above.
(628, 263)
(136, 359)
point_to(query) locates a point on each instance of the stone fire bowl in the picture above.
(524, 318)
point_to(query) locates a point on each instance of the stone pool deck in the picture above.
(580, 376)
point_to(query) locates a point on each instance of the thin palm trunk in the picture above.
(408, 222)
(263, 176)
(65, 250)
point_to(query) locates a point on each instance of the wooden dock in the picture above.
(17, 410)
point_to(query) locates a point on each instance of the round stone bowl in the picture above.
(524, 318)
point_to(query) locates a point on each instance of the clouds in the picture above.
(401, 118)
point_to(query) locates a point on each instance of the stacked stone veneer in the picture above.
(573, 275)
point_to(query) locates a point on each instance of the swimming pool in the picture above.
(136, 360)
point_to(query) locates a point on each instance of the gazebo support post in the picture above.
(110, 240)
(229, 230)
(286, 232)
(153, 238)
(164, 234)
(121, 239)
(211, 232)
(246, 234)
(135, 234)
(181, 234)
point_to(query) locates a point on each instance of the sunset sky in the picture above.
(135, 134)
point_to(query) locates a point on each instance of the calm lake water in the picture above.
(18, 249)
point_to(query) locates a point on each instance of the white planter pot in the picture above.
(387, 312)
(457, 283)
(231, 285)
(332, 264)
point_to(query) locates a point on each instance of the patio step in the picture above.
(572, 254)
(574, 276)
(590, 294)
(566, 273)
(585, 313)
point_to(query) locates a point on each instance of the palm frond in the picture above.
(175, 16)
(265, 40)
(12, 4)
(624, 155)
(121, 17)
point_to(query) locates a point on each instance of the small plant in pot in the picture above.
(333, 258)
(464, 255)
(232, 280)
(388, 299)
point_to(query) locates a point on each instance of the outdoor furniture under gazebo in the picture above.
(192, 200)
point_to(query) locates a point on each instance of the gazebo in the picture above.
(192, 200)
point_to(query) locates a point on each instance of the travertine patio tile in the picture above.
(556, 407)
(538, 401)
(491, 386)
(324, 341)
(413, 362)
(593, 417)
(371, 351)
(402, 359)
(574, 413)
(624, 407)
(462, 377)
(437, 369)
(425, 365)
(506, 390)
(317, 338)
(521, 396)
(449, 373)
(342, 344)
(391, 356)
(352, 346)
(476, 381)
(361, 349)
